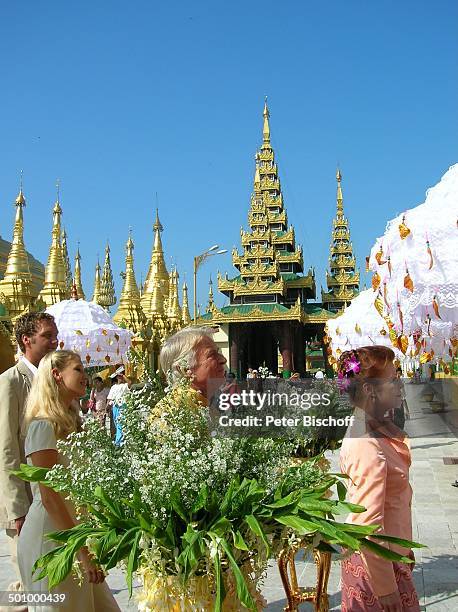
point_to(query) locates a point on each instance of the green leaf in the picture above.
(242, 590)
(170, 532)
(289, 500)
(399, 541)
(178, 507)
(301, 526)
(106, 544)
(386, 553)
(221, 526)
(113, 506)
(317, 504)
(356, 529)
(31, 473)
(254, 525)
(123, 548)
(201, 499)
(239, 542)
(132, 562)
(341, 491)
(191, 553)
(219, 583)
(342, 507)
(335, 533)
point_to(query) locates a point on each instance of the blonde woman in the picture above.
(51, 415)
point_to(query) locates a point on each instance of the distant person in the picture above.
(36, 335)
(52, 415)
(116, 399)
(401, 413)
(98, 399)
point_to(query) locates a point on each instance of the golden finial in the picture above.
(157, 224)
(339, 191)
(266, 128)
(20, 200)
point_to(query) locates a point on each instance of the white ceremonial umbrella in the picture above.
(359, 325)
(88, 329)
(415, 266)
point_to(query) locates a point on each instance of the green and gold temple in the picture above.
(271, 318)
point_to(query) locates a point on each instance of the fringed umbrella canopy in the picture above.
(360, 325)
(415, 273)
(88, 329)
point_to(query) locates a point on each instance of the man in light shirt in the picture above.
(36, 335)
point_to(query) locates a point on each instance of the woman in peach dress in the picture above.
(375, 454)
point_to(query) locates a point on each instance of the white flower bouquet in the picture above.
(194, 516)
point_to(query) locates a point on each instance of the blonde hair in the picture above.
(44, 398)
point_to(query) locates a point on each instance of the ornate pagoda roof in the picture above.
(271, 264)
(342, 279)
(250, 313)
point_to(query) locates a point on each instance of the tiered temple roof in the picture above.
(107, 296)
(270, 284)
(342, 279)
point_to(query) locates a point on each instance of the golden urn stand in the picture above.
(296, 595)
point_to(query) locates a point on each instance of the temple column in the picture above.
(299, 350)
(234, 349)
(286, 348)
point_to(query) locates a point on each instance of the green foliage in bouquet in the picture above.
(178, 502)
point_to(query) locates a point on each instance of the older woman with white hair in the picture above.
(194, 367)
(192, 353)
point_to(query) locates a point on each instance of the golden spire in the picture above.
(174, 310)
(55, 289)
(17, 281)
(185, 314)
(107, 296)
(342, 279)
(157, 270)
(211, 301)
(97, 282)
(130, 310)
(66, 258)
(77, 280)
(266, 128)
(156, 304)
(339, 192)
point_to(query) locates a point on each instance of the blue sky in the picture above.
(121, 101)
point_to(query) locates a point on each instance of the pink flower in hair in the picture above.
(352, 365)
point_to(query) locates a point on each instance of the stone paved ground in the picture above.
(435, 514)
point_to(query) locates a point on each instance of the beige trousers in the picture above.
(11, 534)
